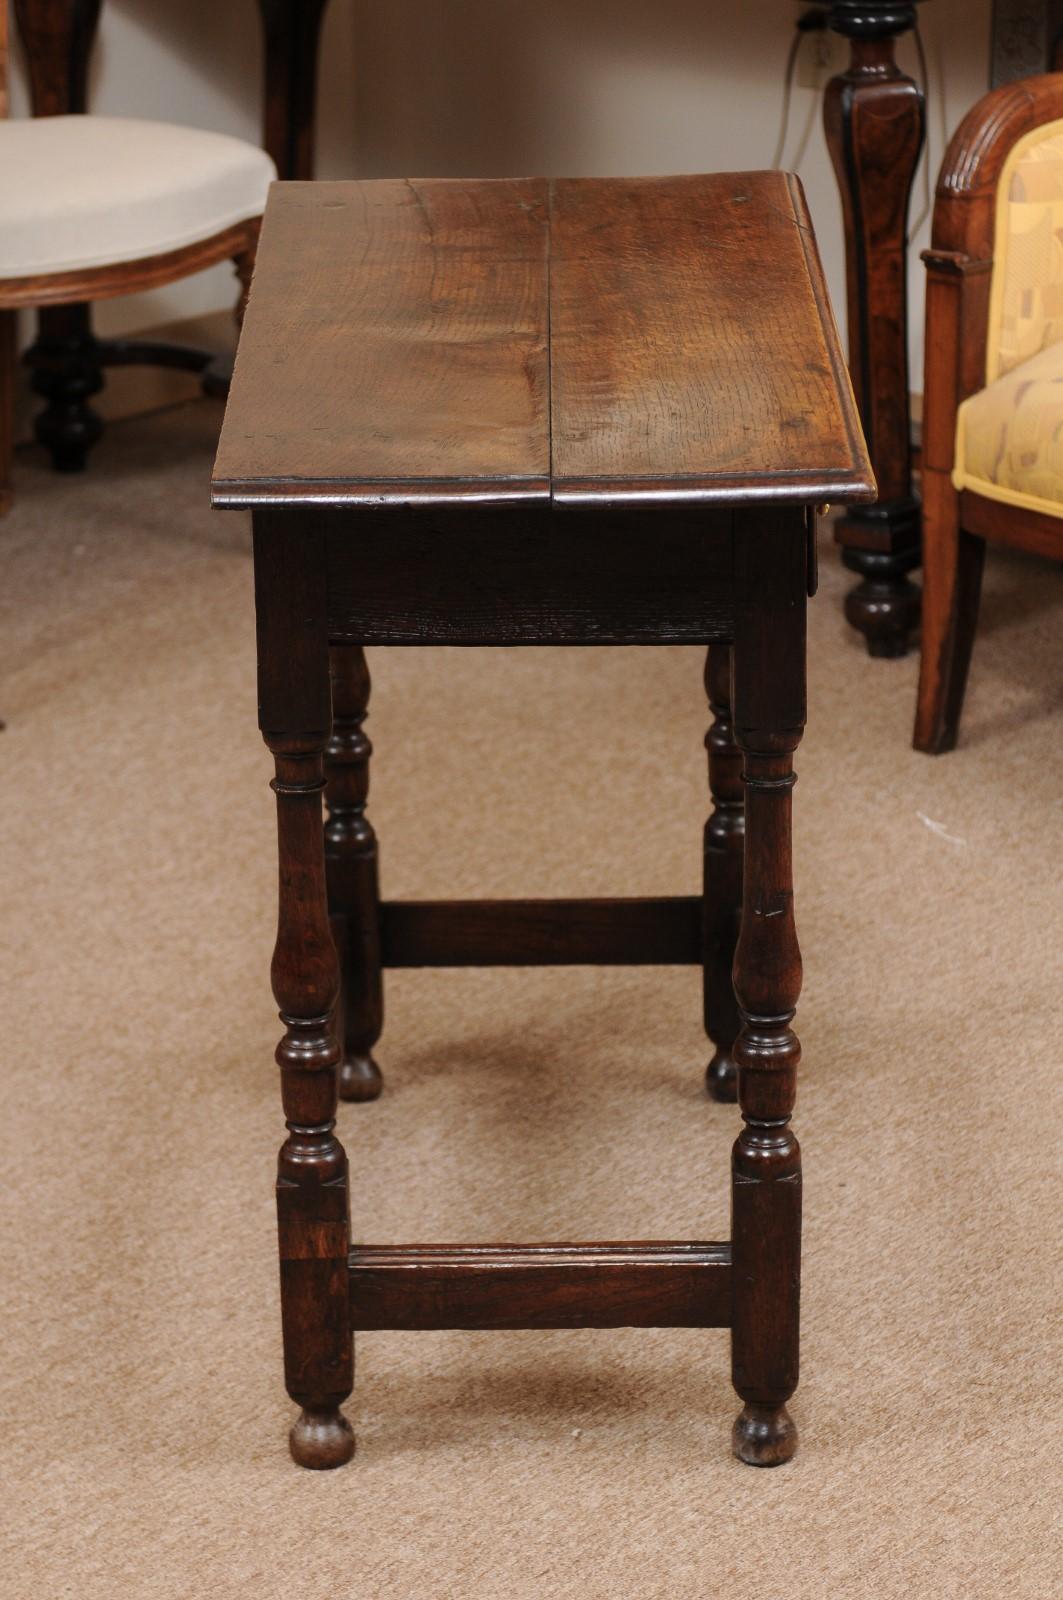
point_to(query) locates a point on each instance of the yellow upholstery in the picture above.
(1026, 300)
(1009, 436)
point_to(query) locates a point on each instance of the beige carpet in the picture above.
(144, 1439)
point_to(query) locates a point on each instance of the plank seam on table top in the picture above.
(851, 481)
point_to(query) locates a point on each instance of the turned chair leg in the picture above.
(722, 884)
(351, 860)
(65, 361)
(312, 1193)
(7, 405)
(953, 561)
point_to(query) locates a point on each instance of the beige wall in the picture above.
(427, 87)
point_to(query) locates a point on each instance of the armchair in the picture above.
(993, 401)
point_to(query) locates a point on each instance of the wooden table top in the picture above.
(636, 341)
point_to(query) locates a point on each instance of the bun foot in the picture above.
(721, 1078)
(764, 1436)
(360, 1079)
(321, 1439)
(886, 612)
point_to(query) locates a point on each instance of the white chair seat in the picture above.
(88, 191)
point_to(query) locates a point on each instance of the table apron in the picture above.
(528, 577)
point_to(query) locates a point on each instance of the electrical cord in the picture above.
(812, 21)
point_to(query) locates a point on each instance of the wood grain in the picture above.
(541, 933)
(637, 342)
(394, 345)
(692, 344)
(541, 1286)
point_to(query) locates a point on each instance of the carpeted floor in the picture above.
(145, 1422)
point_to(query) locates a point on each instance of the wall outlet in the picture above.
(821, 55)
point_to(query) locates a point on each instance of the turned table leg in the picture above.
(312, 1196)
(66, 366)
(769, 716)
(874, 119)
(722, 884)
(312, 1202)
(766, 1161)
(351, 860)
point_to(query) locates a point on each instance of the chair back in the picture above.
(1026, 297)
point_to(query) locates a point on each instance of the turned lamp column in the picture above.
(874, 120)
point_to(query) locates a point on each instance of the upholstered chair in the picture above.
(993, 402)
(92, 207)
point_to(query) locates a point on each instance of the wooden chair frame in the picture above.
(957, 523)
(67, 358)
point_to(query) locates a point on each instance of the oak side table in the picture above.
(530, 413)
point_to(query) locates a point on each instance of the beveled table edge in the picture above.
(565, 493)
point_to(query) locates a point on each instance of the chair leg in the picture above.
(952, 585)
(7, 405)
(67, 371)
(722, 887)
(351, 864)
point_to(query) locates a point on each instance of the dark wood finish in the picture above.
(959, 266)
(312, 1204)
(1026, 530)
(351, 865)
(699, 348)
(8, 327)
(392, 262)
(875, 124)
(593, 584)
(541, 933)
(7, 404)
(769, 718)
(57, 39)
(421, 339)
(68, 361)
(389, 326)
(290, 33)
(541, 1286)
(722, 878)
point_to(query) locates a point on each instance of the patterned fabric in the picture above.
(1026, 303)
(1009, 436)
